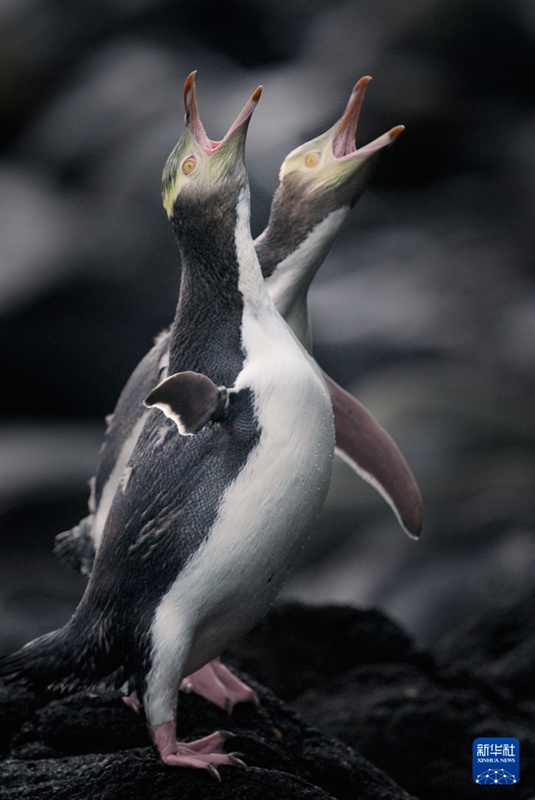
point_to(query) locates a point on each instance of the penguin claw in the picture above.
(237, 762)
(132, 703)
(213, 772)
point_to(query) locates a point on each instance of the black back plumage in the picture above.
(128, 410)
(170, 505)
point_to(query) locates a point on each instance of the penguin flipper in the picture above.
(190, 399)
(76, 546)
(372, 453)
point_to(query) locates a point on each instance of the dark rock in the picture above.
(135, 773)
(382, 711)
(16, 707)
(85, 746)
(79, 724)
(296, 648)
(411, 714)
(418, 727)
(499, 646)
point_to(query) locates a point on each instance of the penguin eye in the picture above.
(312, 159)
(188, 165)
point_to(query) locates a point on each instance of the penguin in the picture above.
(231, 466)
(319, 182)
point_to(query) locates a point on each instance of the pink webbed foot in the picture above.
(207, 753)
(216, 683)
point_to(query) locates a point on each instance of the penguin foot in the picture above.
(131, 701)
(217, 684)
(207, 753)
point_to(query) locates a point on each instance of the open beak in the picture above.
(193, 120)
(343, 143)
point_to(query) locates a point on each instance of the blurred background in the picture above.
(425, 309)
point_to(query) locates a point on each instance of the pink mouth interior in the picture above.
(344, 139)
(344, 142)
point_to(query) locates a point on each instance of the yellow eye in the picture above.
(312, 159)
(189, 165)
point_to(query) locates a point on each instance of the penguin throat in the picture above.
(295, 212)
(206, 333)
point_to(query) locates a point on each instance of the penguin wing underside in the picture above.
(190, 400)
(373, 454)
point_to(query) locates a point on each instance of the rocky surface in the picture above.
(366, 715)
(86, 746)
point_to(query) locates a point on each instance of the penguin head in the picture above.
(199, 166)
(330, 171)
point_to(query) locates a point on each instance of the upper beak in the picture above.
(193, 119)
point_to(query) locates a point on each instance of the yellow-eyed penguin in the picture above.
(221, 487)
(319, 182)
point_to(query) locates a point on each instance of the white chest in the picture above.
(288, 285)
(265, 514)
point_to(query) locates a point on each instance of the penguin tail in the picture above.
(63, 660)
